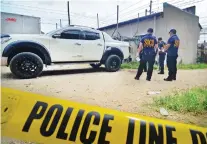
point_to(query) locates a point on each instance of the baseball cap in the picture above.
(172, 31)
(150, 30)
(159, 38)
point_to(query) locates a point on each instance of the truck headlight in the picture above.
(5, 39)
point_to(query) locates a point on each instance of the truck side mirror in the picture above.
(56, 35)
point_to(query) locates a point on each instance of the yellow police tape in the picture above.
(49, 120)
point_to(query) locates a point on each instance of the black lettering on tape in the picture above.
(34, 115)
(170, 138)
(142, 135)
(194, 137)
(155, 137)
(130, 133)
(76, 125)
(61, 132)
(85, 127)
(55, 120)
(105, 128)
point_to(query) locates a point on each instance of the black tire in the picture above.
(95, 65)
(26, 65)
(113, 63)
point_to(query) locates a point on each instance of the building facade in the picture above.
(19, 24)
(184, 21)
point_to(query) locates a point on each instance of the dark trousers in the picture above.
(143, 62)
(172, 66)
(161, 62)
(145, 66)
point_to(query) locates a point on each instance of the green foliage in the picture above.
(192, 66)
(134, 65)
(193, 100)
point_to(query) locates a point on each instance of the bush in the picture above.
(193, 100)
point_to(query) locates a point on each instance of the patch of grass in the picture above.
(134, 65)
(130, 65)
(193, 100)
(192, 66)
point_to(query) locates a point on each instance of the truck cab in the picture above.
(26, 54)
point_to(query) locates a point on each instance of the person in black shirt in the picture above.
(162, 54)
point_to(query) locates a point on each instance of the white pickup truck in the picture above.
(27, 54)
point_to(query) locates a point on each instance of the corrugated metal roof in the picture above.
(189, 10)
(132, 21)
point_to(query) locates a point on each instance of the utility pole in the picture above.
(150, 7)
(138, 24)
(56, 25)
(68, 13)
(145, 12)
(97, 21)
(60, 23)
(117, 23)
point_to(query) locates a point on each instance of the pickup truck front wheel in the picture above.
(26, 65)
(113, 63)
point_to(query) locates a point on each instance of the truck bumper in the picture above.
(4, 61)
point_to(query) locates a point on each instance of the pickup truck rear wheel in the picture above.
(95, 65)
(113, 63)
(26, 65)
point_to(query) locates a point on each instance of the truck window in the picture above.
(71, 34)
(91, 35)
(107, 37)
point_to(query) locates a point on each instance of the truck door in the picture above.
(93, 45)
(67, 47)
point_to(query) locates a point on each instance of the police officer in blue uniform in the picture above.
(172, 54)
(162, 54)
(149, 45)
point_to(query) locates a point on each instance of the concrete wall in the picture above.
(19, 24)
(130, 30)
(186, 24)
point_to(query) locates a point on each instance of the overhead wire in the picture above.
(124, 15)
(76, 17)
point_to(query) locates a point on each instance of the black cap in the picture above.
(172, 31)
(159, 38)
(150, 30)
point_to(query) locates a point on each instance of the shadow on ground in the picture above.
(9, 75)
(74, 71)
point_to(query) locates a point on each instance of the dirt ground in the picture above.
(116, 90)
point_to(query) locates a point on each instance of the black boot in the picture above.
(174, 77)
(161, 71)
(169, 78)
(136, 78)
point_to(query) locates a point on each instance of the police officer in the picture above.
(140, 56)
(162, 54)
(172, 54)
(147, 44)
